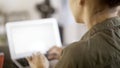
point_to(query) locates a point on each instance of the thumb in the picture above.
(29, 59)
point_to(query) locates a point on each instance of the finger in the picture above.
(33, 55)
(40, 55)
(29, 59)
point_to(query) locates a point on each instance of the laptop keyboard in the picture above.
(23, 62)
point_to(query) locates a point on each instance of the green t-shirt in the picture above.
(99, 48)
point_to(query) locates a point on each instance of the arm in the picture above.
(67, 60)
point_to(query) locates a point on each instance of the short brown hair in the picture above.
(111, 3)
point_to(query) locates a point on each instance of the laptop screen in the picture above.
(33, 38)
(29, 38)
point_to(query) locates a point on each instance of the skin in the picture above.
(38, 61)
(87, 11)
(54, 53)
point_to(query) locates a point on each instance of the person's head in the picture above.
(89, 10)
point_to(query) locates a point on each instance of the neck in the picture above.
(91, 20)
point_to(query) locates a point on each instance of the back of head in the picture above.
(87, 8)
(110, 3)
(103, 4)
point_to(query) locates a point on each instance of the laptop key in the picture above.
(23, 62)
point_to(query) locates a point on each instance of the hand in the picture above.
(38, 61)
(54, 53)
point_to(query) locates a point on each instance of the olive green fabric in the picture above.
(99, 48)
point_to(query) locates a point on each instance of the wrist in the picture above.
(40, 67)
(37, 67)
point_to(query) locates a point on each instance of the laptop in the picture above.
(28, 37)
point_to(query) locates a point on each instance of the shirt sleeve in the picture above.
(67, 60)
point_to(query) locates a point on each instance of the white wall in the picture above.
(66, 16)
(73, 32)
(9, 6)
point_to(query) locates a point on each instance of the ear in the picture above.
(82, 2)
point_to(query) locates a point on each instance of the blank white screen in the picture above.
(33, 38)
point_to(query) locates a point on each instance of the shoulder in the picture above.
(94, 42)
(87, 51)
(76, 47)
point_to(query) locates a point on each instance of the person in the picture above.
(100, 46)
